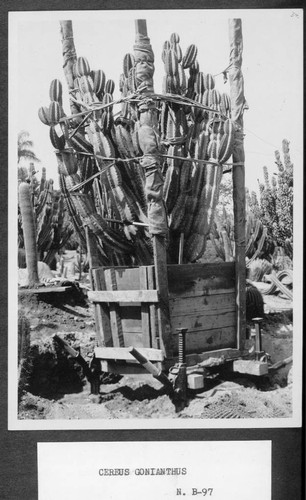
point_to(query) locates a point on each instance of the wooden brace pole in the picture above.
(237, 108)
(148, 133)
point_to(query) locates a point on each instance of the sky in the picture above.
(272, 69)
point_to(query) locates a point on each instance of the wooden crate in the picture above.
(127, 304)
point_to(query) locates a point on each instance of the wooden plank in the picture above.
(192, 305)
(115, 321)
(210, 340)
(130, 296)
(133, 338)
(103, 327)
(126, 278)
(123, 353)
(44, 289)
(145, 317)
(130, 319)
(130, 325)
(223, 355)
(152, 307)
(238, 173)
(200, 291)
(202, 323)
(200, 279)
(127, 369)
(161, 278)
(193, 359)
(219, 338)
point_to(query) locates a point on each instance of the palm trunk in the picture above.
(29, 232)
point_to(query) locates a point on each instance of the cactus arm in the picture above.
(227, 247)
(260, 245)
(218, 248)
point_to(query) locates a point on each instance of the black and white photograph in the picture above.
(155, 219)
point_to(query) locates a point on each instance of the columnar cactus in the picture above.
(29, 232)
(112, 169)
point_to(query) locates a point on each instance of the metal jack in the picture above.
(259, 353)
(180, 381)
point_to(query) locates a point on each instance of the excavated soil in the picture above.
(56, 387)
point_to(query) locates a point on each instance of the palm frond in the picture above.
(25, 146)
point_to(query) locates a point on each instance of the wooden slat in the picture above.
(220, 353)
(123, 353)
(103, 327)
(126, 278)
(195, 358)
(115, 320)
(200, 291)
(124, 296)
(203, 323)
(191, 305)
(133, 338)
(152, 307)
(145, 317)
(44, 289)
(218, 338)
(163, 312)
(128, 369)
(192, 280)
(130, 318)
(223, 355)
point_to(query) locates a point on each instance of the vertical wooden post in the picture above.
(163, 310)
(237, 106)
(69, 58)
(97, 279)
(148, 132)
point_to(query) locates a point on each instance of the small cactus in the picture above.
(23, 353)
(258, 268)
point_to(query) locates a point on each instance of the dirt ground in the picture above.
(57, 389)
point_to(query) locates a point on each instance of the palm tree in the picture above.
(25, 154)
(25, 147)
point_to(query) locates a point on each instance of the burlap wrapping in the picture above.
(149, 137)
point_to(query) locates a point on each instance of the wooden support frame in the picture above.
(153, 293)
